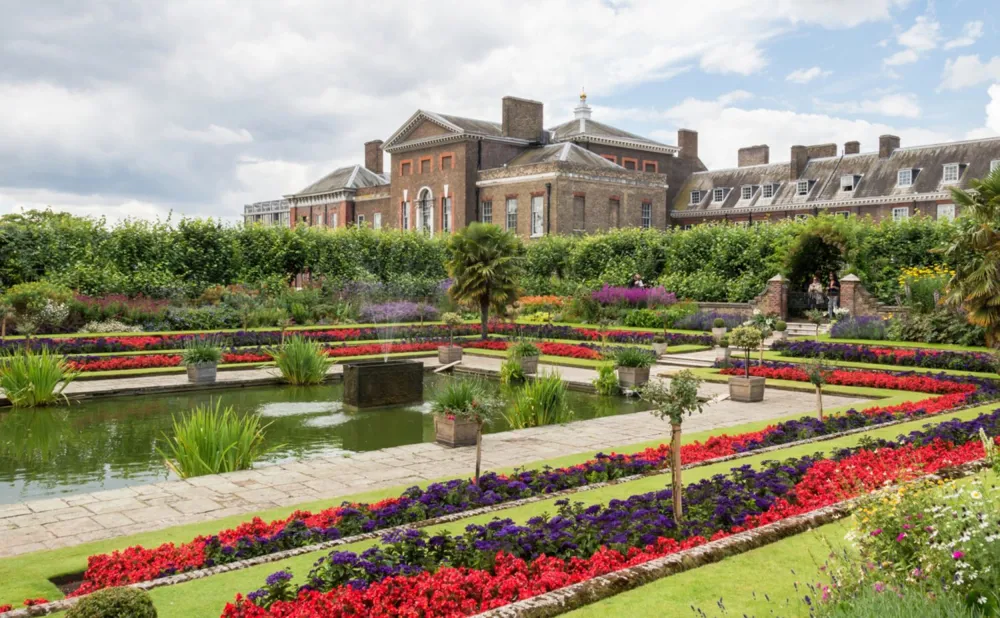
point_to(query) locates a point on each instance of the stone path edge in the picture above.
(64, 604)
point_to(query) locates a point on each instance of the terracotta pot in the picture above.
(746, 390)
(631, 377)
(659, 348)
(529, 364)
(202, 373)
(454, 432)
(448, 354)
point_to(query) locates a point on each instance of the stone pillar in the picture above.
(774, 300)
(851, 295)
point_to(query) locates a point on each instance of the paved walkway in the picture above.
(62, 522)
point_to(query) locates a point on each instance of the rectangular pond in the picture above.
(111, 443)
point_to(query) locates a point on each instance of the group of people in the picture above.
(831, 294)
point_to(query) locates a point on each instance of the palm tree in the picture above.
(975, 254)
(484, 266)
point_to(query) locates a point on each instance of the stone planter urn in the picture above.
(746, 390)
(448, 354)
(659, 348)
(455, 431)
(718, 332)
(529, 364)
(632, 377)
(722, 355)
(780, 335)
(202, 373)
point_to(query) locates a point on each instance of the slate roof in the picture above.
(875, 179)
(568, 152)
(585, 129)
(351, 177)
(471, 125)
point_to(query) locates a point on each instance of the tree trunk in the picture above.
(3, 329)
(675, 470)
(819, 401)
(484, 315)
(479, 450)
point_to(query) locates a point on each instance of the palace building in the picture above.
(587, 176)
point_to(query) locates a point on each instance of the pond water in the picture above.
(111, 443)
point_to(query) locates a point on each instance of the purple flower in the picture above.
(276, 578)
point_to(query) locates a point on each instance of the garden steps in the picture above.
(805, 329)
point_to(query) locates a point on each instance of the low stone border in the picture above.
(599, 588)
(64, 604)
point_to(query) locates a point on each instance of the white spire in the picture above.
(582, 111)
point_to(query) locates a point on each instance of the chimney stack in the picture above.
(852, 147)
(886, 144)
(522, 119)
(798, 160)
(818, 151)
(754, 155)
(373, 156)
(687, 141)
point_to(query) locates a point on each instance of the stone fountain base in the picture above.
(374, 383)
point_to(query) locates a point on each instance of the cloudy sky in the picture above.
(132, 108)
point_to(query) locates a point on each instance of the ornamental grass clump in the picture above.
(124, 602)
(523, 349)
(32, 378)
(200, 351)
(606, 382)
(542, 401)
(213, 440)
(629, 356)
(302, 362)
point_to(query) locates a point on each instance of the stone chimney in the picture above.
(687, 141)
(754, 155)
(852, 148)
(373, 156)
(822, 150)
(799, 158)
(522, 119)
(886, 144)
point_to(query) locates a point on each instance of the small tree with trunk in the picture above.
(484, 263)
(817, 377)
(816, 317)
(673, 402)
(6, 313)
(746, 338)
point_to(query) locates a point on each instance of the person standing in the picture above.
(636, 281)
(815, 293)
(833, 295)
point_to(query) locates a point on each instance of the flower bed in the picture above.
(405, 576)
(905, 381)
(634, 297)
(905, 357)
(549, 349)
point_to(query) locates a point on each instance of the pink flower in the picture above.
(902, 535)
(958, 555)
(876, 532)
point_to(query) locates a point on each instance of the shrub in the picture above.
(522, 349)
(746, 338)
(643, 318)
(718, 323)
(122, 602)
(659, 339)
(28, 298)
(863, 327)
(213, 440)
(629, 356)
(724, 341)
(943, 325)
(302, 362)
(198, 351)
(606, 382)
(32, 378)
(704, 320)
(466, 399)
(267, 316)
(634, 297)
(542, 401)
(511, 371)
(780, 326)
(109, 326)
(540, 317)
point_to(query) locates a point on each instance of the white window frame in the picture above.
(446, 215)
(953, 169)
(361, 220)
(716, 193)
(695, 198)
(994, 165)
(799, 184)
(425, 211)
(537, 216)
(646, 220)
(486, 211)
(406, 215)
(743, 192)
(511, 211)
(949, 217)
(848, 182)
(767, 188)
(377, 224)
(900, 213)
(907, 174)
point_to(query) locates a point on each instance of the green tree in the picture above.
(674, 402)
(975, 255)
(484, 264)
(817, 377)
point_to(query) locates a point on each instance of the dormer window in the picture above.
(802, 187)
(695, 198)
(746, 192)
(904, 178)
(849, 182)
(768, 190)
(951, 173)
(719, 195)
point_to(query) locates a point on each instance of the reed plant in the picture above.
(302, 362)
(212, 440)
(200, 351)
(32, 378)
(542, 401)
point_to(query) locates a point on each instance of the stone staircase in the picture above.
(683, 360)
(805, 329)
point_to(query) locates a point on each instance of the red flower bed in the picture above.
(568, 350)
(872, 379)
(376, 348)
(121, 363)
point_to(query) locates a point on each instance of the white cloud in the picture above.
(924, 35)
(993, 109)
(907, 56)
(897, 105)
(970, 34)
(214, 135)
(804, 76)
(966, 71)
(741, 57)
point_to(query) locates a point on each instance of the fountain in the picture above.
(379, 383)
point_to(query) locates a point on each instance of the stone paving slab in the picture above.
(73, 520)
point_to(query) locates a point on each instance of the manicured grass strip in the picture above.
(776, 356)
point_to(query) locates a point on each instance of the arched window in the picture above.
(425, 211)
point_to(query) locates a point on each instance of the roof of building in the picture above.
(351, 177)
(471, 125)
(457, 127)
(583, 129)
(872, 179)
(567, 152)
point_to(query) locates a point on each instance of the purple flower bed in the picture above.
(862, 327)
(705, 320)
(634, 297)
(906, 357)
(399, 311)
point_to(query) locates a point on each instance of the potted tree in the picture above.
(746, 388)
(633, 366)
(659, 345)
(526, 353)
(450, 353)
(201, 357)
(718, 328)
(780, 331)
(722, 352)
(673, 403)
(817, 377)
(460, 412)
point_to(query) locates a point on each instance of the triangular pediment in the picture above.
(422, 125)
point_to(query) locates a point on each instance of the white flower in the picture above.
(981, 600)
